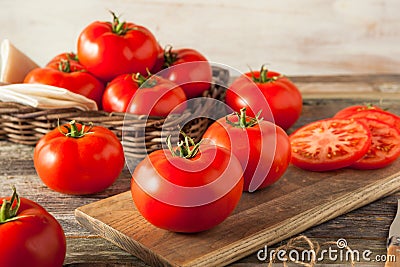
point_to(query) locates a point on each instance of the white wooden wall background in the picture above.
(307, 37)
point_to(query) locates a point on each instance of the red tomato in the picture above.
(187, 68)
(71, 76)
(344, 113)
(159, 65)
(79, 161)
(29, 235)
(262, 147)
(110, 49)
(70, 56)
(384, 116)
(385, 146)
(329, 144)
(136, 94)
(190, 190)
(278, 96)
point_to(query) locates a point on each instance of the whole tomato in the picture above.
(76, 160)
(69, 75)
(187, 68)
(70, 56)
(136, 94)
(281, 96)
(29, 235)
(262, 147)
(109, 49)
(189, 189)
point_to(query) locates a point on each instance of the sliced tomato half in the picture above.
(329, 144)
(350, 110)
(381, 115)
(385, 146)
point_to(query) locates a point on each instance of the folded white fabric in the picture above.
(44, 96)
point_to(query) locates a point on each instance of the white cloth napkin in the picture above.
(44, 96)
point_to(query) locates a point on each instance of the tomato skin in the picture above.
(256, 147)
(108, 54)
(156, 100)
(76, 80)
(71, 56)
(329, 144)
(350, 110)
(381, 115)
(281, 96)
(79, 166)
(36, 240)
(195, 173)
(190, 70)
(385, 146)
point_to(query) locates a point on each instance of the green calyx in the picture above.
(119, 27)
(145, 81)
(169, 57)
(187, 148)
(263, 78)
(73, 131)
(9, 208)
(64, 65)
(242, 120)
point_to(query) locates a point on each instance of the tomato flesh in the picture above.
(329, 144)
(385, 146)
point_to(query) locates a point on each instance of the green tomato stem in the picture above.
(72, 129)
(64, 66)
(7, 211)
(169, 57)
(242, 120)
(264, 76)
(187, 148)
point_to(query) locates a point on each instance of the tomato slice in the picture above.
(381, 115)
(350, 110)
(329, 144)
(385, 146)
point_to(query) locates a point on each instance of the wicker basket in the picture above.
(25, 124)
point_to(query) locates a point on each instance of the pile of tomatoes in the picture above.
(115, 59)
(188, 187)
(359, 137)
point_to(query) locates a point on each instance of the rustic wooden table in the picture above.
(364, 229)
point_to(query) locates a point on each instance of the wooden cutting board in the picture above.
(298, 201)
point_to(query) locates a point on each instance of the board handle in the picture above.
(393, 252)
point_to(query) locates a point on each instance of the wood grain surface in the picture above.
(298, 201)
(365, 228)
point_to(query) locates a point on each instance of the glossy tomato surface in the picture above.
(69, 75)
(278, 96)
(33, 238)
(189, 69)
(79, 165)
(187, 195)
(350, 110)
(385, 146)
(381, 115)
(262, 149)
(156, 96)
(109, 49)
(329, 144)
